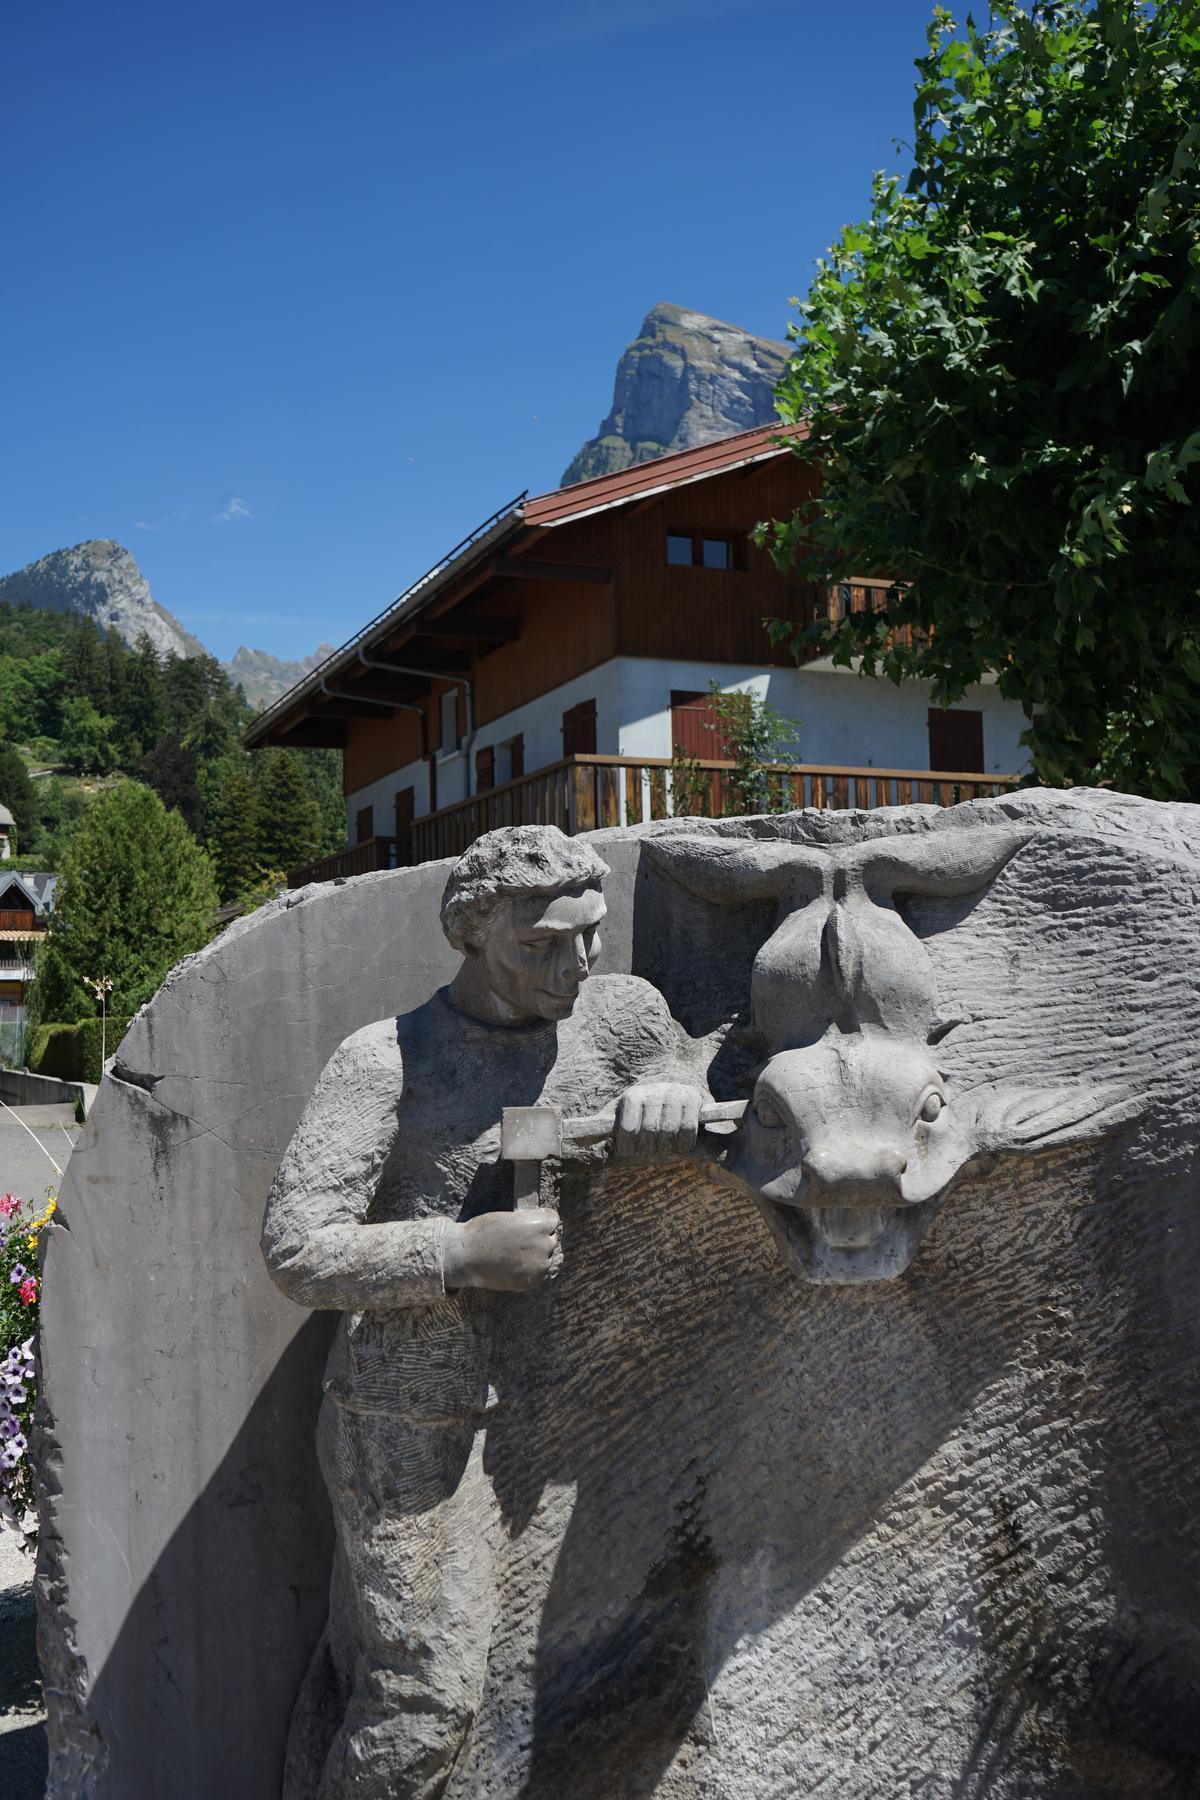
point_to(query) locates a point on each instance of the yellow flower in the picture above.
(31, 1242)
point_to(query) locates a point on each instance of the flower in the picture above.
(9, 1457)
(31, 1243)
(28, 1290)
(18, 1274)
(17, 1395)
(10, 1206)
(9, 1427)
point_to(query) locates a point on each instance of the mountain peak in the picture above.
(686, 379)
(100, 580)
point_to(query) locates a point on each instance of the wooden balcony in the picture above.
(363, 858)
(582, 793)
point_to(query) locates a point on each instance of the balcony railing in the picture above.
(363, 858)
(581, 793)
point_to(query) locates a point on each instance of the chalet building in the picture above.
(25, 902)
(551, 665)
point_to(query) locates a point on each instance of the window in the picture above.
(364, 824)
(697, 550)
(579, 729)
(510, 760)
(449, 717)
(955, 741)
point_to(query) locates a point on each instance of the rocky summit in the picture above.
(684, 380)
(264, 677)
(101, 581)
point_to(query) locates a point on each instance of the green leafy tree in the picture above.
(171, 770)
(136, 893)
(87, 739)
(998, 370)
(18, 794)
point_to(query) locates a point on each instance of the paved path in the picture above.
(26, 1170)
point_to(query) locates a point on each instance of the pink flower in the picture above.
(28, 1290)
(10, 1206)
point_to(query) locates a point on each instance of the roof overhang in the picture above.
(422, 633)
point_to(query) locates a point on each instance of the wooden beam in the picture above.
(529, 568)
(482, 626)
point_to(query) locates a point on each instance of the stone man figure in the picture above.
(390, 1206)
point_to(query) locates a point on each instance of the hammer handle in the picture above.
(595, 1129)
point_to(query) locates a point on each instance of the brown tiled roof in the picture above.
(640, 479)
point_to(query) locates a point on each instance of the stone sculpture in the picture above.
(744, 1535)
(390, 1206)
(853, 1137)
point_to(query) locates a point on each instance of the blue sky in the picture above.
(295, 295)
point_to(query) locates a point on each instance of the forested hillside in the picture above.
(76, 707)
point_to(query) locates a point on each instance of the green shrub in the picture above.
(72, 1052)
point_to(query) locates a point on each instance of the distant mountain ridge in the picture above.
(100, 580)
(685, 380)
(265, 677)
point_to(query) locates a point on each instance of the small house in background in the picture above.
(551, 666)
(25, 903)
(8, 826)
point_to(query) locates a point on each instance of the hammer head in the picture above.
(530, 1133)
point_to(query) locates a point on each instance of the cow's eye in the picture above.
(767, 1116)
(931, 1107)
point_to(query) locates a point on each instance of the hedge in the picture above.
(72, 1052)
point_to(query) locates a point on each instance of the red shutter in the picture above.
(695, 728)
(579, 729)
(406, 812)
(955, 741)
(485, 770)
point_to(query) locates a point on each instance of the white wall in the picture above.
(843, 720)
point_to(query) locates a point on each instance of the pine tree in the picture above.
(143, 719)
(170, 768)
(136, 894)
(289, 819)
(230, 805)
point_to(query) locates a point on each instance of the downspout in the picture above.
(393, 668)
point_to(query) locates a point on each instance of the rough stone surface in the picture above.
(685, 380)
(264, 677)
(757, 1535)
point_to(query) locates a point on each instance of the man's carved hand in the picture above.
(510, 1252)
(657, 1119)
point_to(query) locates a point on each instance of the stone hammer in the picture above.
(530, 1134)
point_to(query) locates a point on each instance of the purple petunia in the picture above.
(10, 1456)
(18, 1273)
(9, 1427)
(17, 1395)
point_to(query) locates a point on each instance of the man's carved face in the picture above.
(538, 952)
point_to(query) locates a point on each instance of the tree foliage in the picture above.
(136, 893)
(999, 370)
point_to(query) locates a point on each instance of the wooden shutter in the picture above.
(485, 770)
(695, 727)
(406, 812)
(955, 741)
(516, 757)
(364, 824)
(579, 729)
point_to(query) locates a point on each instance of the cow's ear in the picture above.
(731, 871)
(1010, 1116)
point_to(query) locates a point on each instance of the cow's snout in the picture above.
(840, 1168)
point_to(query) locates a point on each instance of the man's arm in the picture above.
(317, 1241)
(318, 1247)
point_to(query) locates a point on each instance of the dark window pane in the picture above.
(679, 549)
(716, 553)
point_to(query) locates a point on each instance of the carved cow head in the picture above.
(852, 1138)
